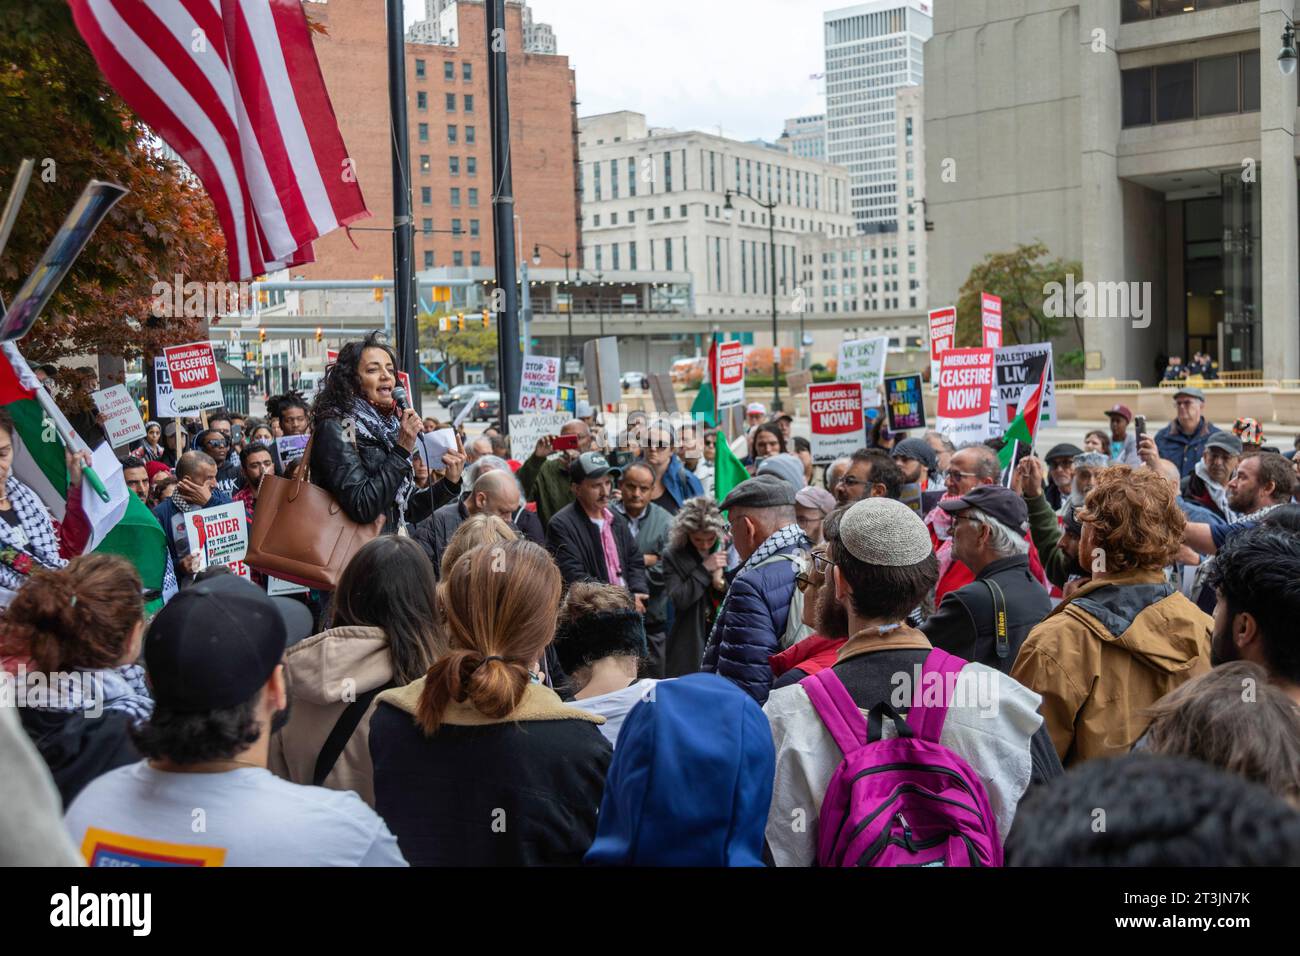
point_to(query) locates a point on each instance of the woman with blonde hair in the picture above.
(476, 763)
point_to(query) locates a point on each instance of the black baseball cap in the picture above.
(1065, 450)
(996, 502)
(591, 464)
(214, 645)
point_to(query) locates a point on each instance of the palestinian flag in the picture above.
(123, 525)
(728, 471)
(1024, 428)
(705, 407)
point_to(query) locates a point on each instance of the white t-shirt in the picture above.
(616, 705)
(139, 816)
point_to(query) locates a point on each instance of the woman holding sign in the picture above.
(362, 438)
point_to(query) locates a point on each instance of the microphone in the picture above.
(399, 398)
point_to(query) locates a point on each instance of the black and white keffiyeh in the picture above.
(383, 428)
(34, 535)
(790, 536)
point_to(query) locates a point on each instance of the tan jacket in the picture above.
(1103, 657)
(322, 674)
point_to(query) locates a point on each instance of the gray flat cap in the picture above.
(788, 467)
(765, 491)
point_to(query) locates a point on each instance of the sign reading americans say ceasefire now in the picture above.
(838, 426)
(966, 407)
(731, 374)
(194, 379)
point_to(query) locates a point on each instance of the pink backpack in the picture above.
(906, 801)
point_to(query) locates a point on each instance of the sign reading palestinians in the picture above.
(991, 319)
(838, 423)
(525, 430)
(1017, 371)
(966, 410)
(731, 374)
(943, 330)
(905, 402)
(195, 383)
(218, 535)
(863, 360)
(164, 405)
(122, 421)
(539, 378)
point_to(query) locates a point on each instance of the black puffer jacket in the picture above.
(362, 475)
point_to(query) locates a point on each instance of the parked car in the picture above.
(633, 380)
(487, 406)
(459, 393)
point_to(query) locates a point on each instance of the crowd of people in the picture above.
(916, 657)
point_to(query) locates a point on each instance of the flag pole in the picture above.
(509, 362)
(407, 335)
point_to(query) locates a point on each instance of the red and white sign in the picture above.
(405, 381)
(218, 535)
(539, 381)
(331, 358)
(838, 423)
(943, 330)
(966, 407)
(730, 388)
(196, 385)
(122, 422)
(991, 320)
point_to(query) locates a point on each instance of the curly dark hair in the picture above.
(342, 382)
(188, 738)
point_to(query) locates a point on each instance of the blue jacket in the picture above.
(751, 624)
(691, 780)
(166, 510)
(1184, 450)
(680, 482)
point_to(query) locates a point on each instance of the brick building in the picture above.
(451, 148)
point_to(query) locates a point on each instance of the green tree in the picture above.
(475, 345)
(1020, 277)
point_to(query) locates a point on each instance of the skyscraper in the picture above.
(872, 49)
(440, 25)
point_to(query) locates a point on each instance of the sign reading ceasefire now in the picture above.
(196, 385)
(838, 423)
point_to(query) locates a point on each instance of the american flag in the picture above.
(234, 87)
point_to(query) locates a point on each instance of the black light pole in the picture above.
(403, 238)
(568, 342)
(509, 360)
(771, 248)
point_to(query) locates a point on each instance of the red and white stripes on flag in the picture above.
(234, 87)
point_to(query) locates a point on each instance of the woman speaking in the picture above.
(361, 440)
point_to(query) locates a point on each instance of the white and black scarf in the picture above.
(790, 536)
(42, 544)
(384, 428)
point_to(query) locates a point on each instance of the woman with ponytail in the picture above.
(477, 763)
(70, 639)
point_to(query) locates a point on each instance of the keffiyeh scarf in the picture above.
(383, 428)
(791, 536)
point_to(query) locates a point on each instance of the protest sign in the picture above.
(566, 400)
(863, 360)
(218, 535)
(539, 378)
(966, 410)
(122, 421)
(289, 448)
(730, 388)
(991, 320)
(525, 430)
(661, 388)
(799, 382)
(432, 446)
(1018, 368)
(195, 383)
(277, 587)
(164, 404)
(905, 403)
(600, 368)
(943, 332)
(838, 424)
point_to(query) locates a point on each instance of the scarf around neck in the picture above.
(1218, 493)
(379, 426)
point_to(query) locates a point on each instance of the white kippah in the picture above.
(884, 532)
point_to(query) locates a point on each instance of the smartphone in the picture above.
(565, 443)
(1140, 426)
(236, 434)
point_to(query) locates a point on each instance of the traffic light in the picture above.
(319, 333)
(487, 319)
(379, 293)
(261, 335)
(460, 321)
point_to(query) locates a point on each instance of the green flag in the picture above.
(728, 471)
(702, 410)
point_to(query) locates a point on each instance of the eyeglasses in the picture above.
(953, 474)
(822, 564)
(851, 482)
(216, 443)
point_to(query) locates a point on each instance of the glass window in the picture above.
(428, 259)
(631, 177)
(449, 71)
(1250, 82)
(450, 100)
(458, 259)
(1216, 85)
(473, 227)
(455, 227)
(419, 67)
(455, 196)
(1130, 10)
(471, 166)
(451, 134)
(467, 72)
(469, 102)
(426, 225)
(1175, 86)
(475, 258)
(426, 195)
(1137, 96)
(453, 165)
(473, 196)
(469, 134)
(425, 165)
(421, 100)
(683, 212)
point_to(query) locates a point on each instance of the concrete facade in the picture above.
(1034, 114)
(805, 136)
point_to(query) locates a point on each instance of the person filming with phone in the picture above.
(545, 475)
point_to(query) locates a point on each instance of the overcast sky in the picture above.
(744, 65)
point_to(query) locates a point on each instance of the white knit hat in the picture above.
(884, 532)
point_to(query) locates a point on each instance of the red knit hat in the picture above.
(155, 468)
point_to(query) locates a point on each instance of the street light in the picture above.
(565, 255)
(1286, 60)
(771, 248)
